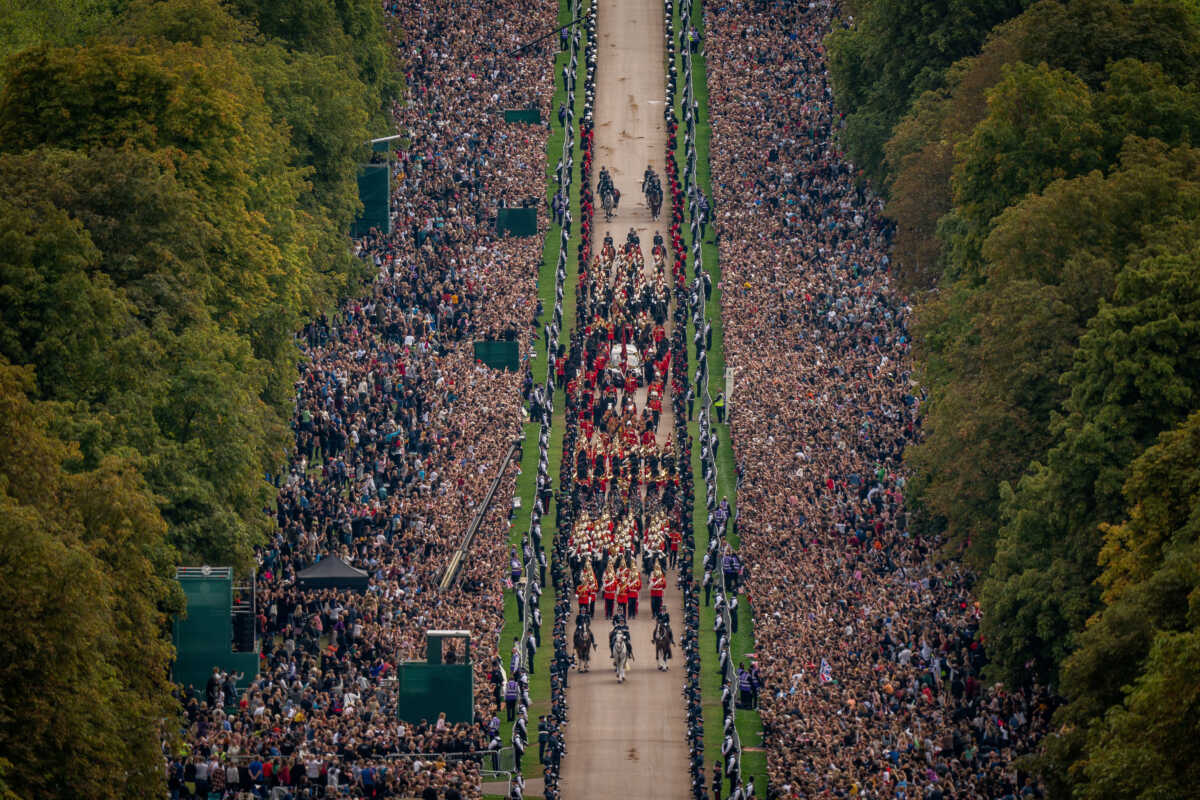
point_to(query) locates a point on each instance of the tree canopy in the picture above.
(1045, 188)
(83, 682)
(177, 181)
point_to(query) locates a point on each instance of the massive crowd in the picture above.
(868, 641)
(399, 432)
(871, 673)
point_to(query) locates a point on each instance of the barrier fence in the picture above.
(541, 409)
(450, 576)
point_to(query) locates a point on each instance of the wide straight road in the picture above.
(628, 741)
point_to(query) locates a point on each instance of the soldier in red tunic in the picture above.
(610, 591)
(634, 587)
(581, 593)
(658, 585)
(623, 590)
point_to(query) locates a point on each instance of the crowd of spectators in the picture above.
(868, 641)
(399, 431)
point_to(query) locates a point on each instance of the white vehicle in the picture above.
(633, 359)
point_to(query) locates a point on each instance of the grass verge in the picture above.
(539, 681)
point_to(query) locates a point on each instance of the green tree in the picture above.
(1040, 127)
(994, 354)
(895, 51)
(1085, 36)
(1142, 62)
(197, 107)
(313, 94)
(1136, 373)
(83, 684)
(340, 28)
(25, 23)
(103, 257)
(1132, 728)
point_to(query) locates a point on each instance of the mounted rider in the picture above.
(605, 186)
(649, 178)
(604, 182)
(664, 638)
(619, 628)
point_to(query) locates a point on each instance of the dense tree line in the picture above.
(177, 180)
(1045, 189)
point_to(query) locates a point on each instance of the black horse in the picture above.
(585, 642)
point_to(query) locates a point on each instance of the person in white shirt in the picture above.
(332, 777)
(202, 777)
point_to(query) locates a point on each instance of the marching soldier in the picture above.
(658, 585)
(610, 590)
(676, 537)
(581, 593)
(586, 592)
(634, 588)
(622, 591)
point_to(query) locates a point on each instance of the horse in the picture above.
(610, 198)
(663, 639)
(621, 656)
(654, 199)
(585, 643)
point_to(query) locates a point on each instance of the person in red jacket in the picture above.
(581, 595)
(610, 591)
(623, 591)
(658, 585)
(634, 587)
(590, 584)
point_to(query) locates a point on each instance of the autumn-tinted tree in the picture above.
(1136, 373)
(82, 685)
(1046, 190)
(175, 191)
(892, 53)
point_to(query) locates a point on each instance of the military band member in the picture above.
(622, 591)
(676, 537)
(634, 587)
(658, 585)
(610, 591)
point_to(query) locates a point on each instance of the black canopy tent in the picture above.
(333, 573)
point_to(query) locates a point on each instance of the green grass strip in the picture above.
(539, 681)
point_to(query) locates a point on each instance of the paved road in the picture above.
(627, 741)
